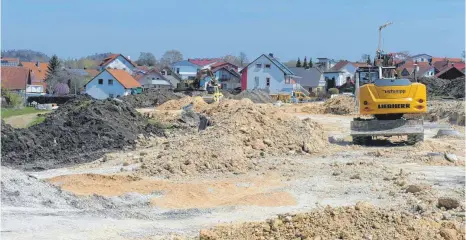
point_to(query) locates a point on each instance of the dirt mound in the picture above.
(360, 222)
(197, 103)
(151, 98)
(256, 96)
(451, 111)
(437, 87)
(340, 105)
(79, 131)
(241, 131)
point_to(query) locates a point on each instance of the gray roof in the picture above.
(309, 77)
(280, 65)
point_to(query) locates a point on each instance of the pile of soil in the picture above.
(451, 111)
(340, 105)
(362, 221)
(151, 98)
(197, 103)
(240, 132)
(79, 131)
(256, 96)
(437, 87)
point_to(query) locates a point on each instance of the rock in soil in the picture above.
(448, 203)
(80, 131)
(451, 157)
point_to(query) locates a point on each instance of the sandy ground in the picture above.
(342, 175)
(21, 121)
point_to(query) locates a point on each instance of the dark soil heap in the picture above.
(81, 130)
(437, 87)
(150, 98)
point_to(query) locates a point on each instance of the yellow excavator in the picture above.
(389, 100)
(212, 87)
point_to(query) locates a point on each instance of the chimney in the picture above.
(271, 54)
(129, 57)
(37, 64)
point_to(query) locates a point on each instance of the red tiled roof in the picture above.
(360, 64)
(438, 59)
(92, 72)
(39, 72)
(124, 78)
(338, 66)
(14, 78)
(204, 61)
(459, 65)
(112, 57)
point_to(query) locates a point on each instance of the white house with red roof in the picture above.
(118, 61)
(188, 69)
(112, 83)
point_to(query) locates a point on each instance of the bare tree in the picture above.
(232, 59)
(170, 57)
(364, 57)
(243, 59)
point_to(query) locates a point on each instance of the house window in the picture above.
(267, 65)
(110, 82)
(256, 82)
(267, 81)
(101, 81)
(163, 73)
(287, 81)
(110, 95)
(258, 65)
(169, 73)
(153, 78)
(178, 70)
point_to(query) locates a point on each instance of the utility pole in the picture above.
(380, 36)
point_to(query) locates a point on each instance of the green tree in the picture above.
(310, 63)
(54, 65)
(298, 63)
(305, 63)
(146, 59)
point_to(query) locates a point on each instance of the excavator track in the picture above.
(362, 130)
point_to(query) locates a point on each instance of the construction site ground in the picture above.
(124, 204)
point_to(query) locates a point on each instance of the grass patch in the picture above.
(36, 121)
(10, 112)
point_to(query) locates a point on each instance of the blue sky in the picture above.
(340, 29)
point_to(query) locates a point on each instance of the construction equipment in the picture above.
(300, 96)
(212, 86)
(387, 98)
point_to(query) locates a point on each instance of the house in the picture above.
(426, 71)
(228, 65)
(421, 58)
(324, 64)
(12, 62)
(112, 83)
(20, 79)
(153, 79)
(440, 65)
(39, 72)
(118, 61)
(228, 77)
(311, 79)
(450, 72)
(267, 73)
(173, 77)
(339, 74)
(188, 69)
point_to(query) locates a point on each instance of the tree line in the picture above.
(305, 63)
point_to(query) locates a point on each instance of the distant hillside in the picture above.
(90, 62)
(98, 56)
(26, 55)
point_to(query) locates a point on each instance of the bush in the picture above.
(14, 100)
(333, 91)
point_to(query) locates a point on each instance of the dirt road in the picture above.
(157, 208)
